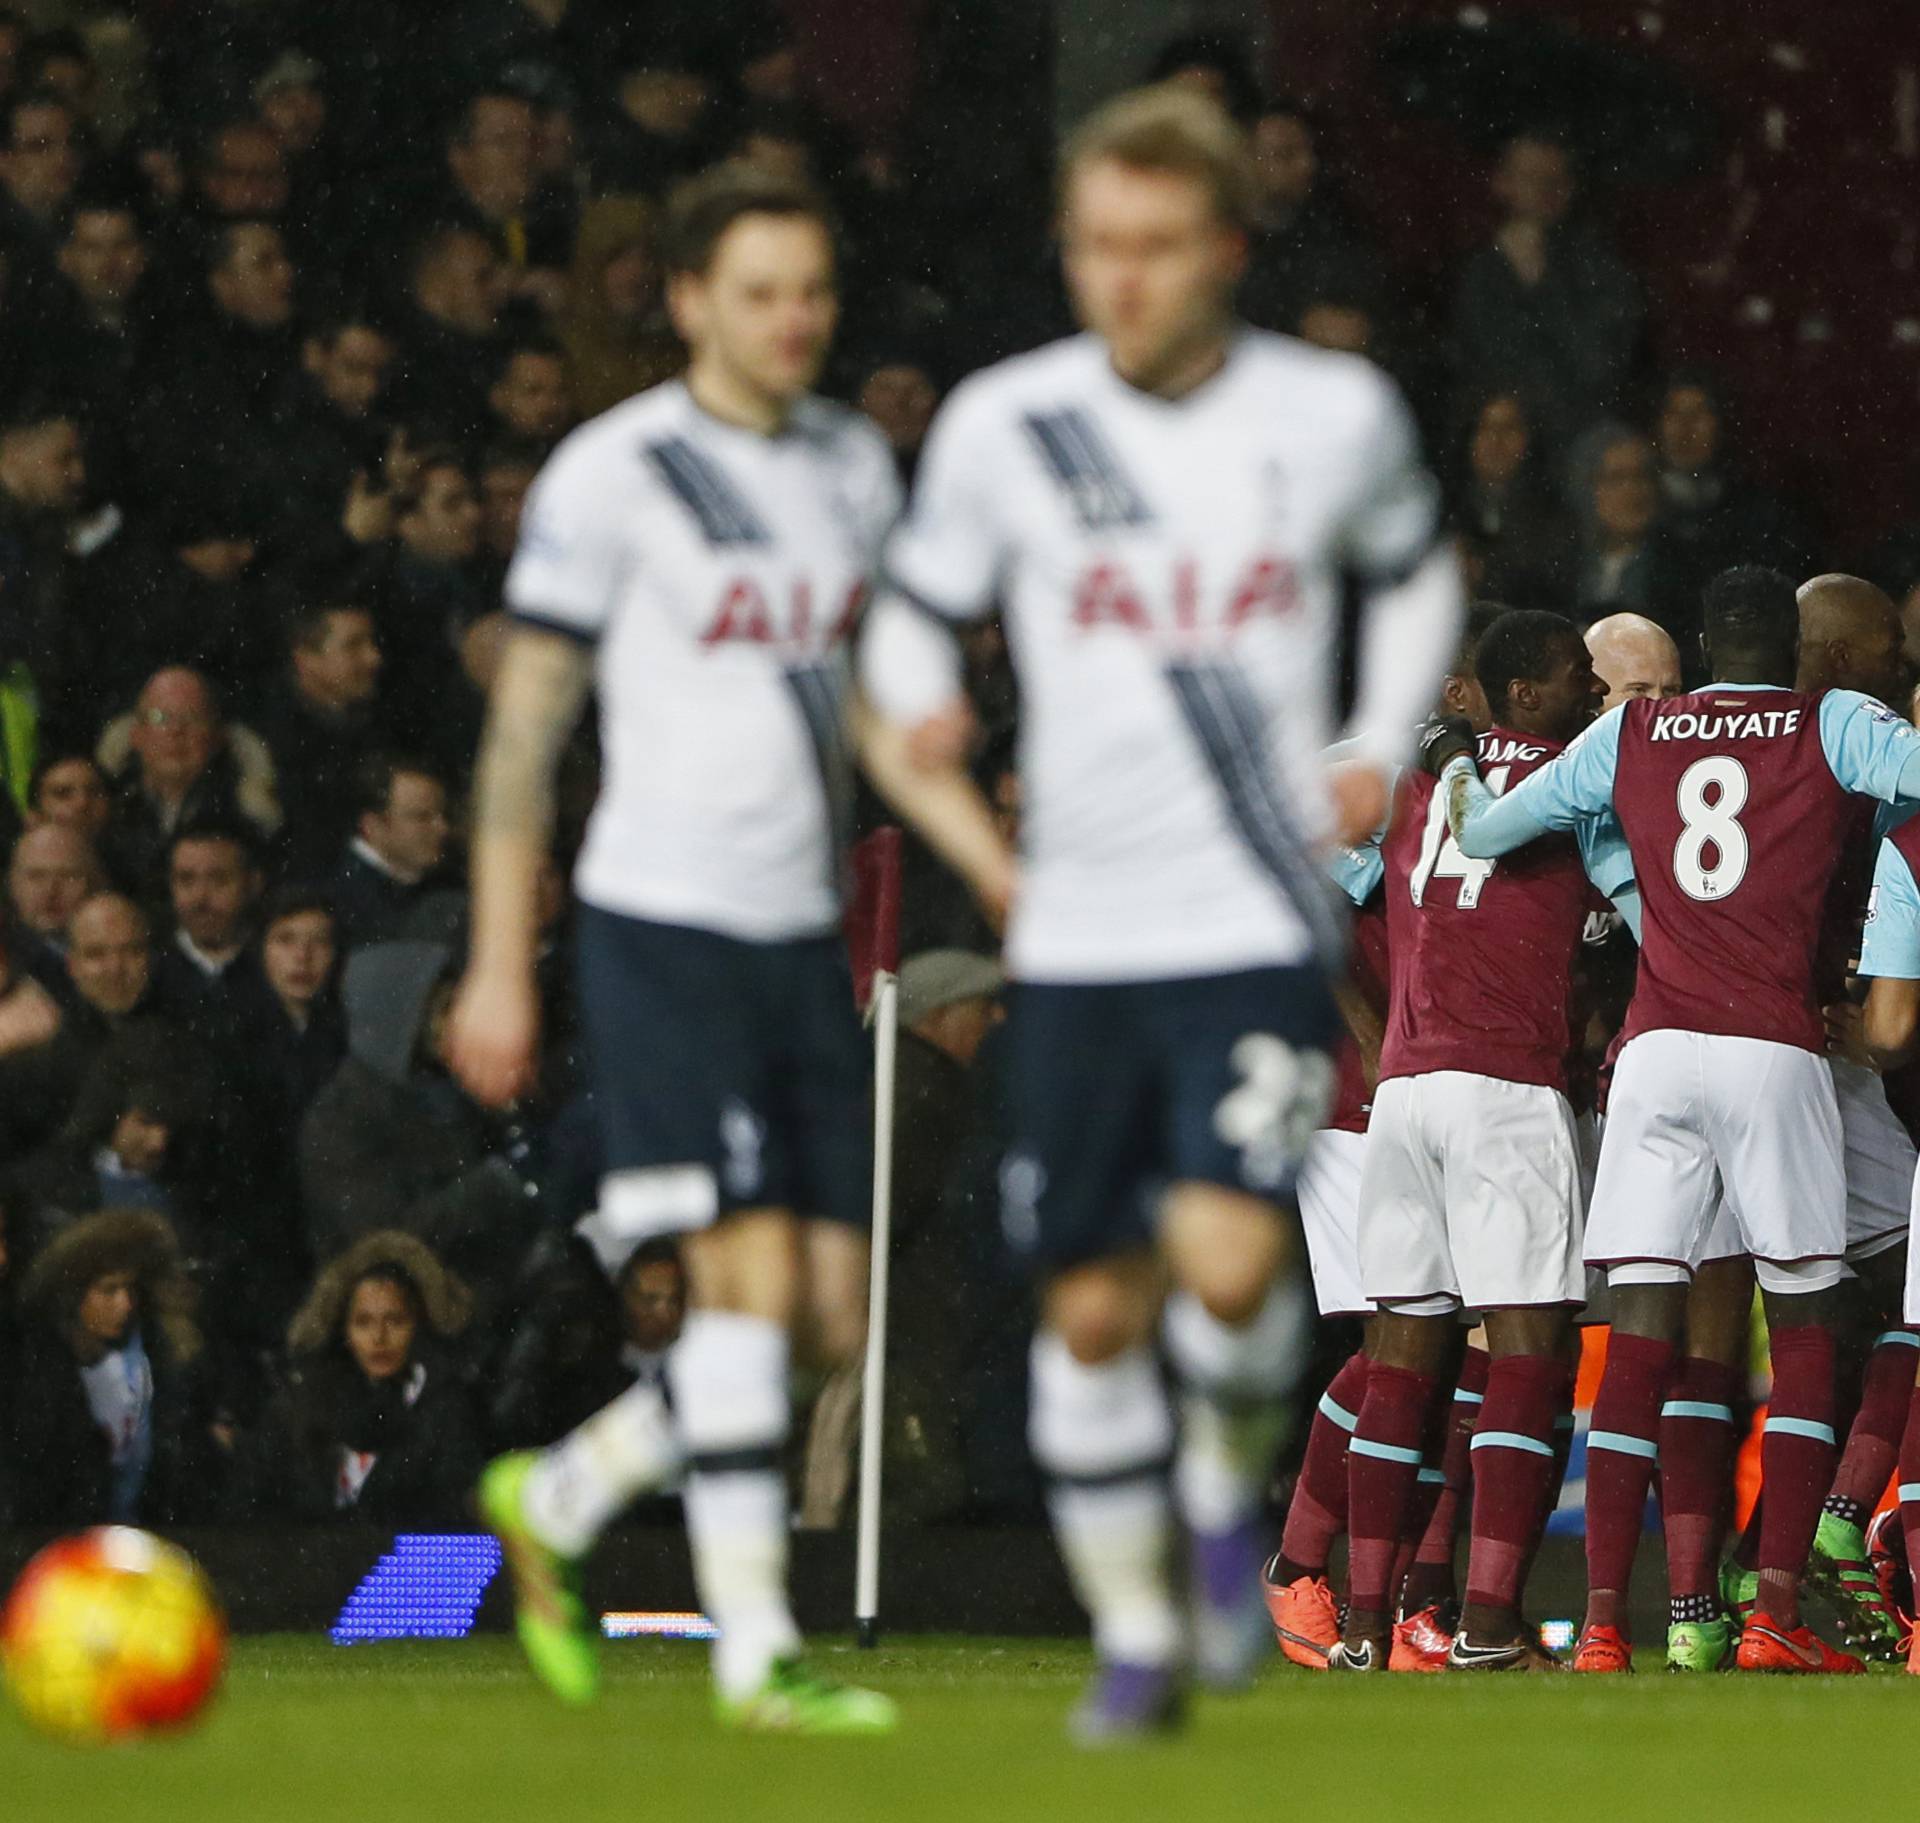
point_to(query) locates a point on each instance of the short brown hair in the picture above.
(1171, 127)
(703, 208)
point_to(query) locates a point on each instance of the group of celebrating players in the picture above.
(1163, 510)
(1715, 847)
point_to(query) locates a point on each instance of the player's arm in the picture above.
(1364, 1025)
(1412, 603)
(911, 719)
(537, 696)
(1890, 962)
(914, 768)
(1870, 749)
(566, 574)
(1571, 790)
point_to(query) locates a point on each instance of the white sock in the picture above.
(580, 1485)
(1233, 1408)
(1101, 1435)
(729, 1378)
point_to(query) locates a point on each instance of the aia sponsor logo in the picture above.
(1190, 601)
(789, 620)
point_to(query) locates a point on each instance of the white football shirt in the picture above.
(719, 572)
(1169, 571)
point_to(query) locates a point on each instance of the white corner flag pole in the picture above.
(873, 1392)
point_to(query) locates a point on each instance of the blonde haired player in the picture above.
(1163, 507)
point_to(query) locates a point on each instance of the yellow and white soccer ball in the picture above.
(110, 1635)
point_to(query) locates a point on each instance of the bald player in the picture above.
(1851, 639)
(1633, 656)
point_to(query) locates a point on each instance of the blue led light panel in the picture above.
(428, 1586)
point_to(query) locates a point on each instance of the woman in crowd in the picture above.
(1515, 533)
(111, 1421)
(375, 1420)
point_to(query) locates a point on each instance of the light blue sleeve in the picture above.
(1604, 853)
(1358, 871)
(1871, 750)
(1892, 944)
(1569, 790)
(1627, 903)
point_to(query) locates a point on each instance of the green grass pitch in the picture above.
(455, 1731)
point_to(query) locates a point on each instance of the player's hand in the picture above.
(1358, 791)
(996, 887)
(493, 1032)
(1847, 1034)
(944, 741)
(1443, 740)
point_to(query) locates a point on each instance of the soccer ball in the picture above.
(110, 1635)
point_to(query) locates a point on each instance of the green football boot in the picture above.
(794, 1700)
(549, 1612)
(1839, 1570)
(1700, 1645)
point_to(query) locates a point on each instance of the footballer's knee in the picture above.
(836, 1331)
(1103, 1310)
(1644, 1306)
(1720, 1310)
(834, 1313)
(1225, 1248)
(748, 1263)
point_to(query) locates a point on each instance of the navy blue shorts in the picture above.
(729, 1075)
(1120, 1090)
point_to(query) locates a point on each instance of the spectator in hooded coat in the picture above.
(375, 1420)
(113, 1414)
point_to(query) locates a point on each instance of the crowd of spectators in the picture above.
(278, 364)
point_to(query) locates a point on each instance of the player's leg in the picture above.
(1514, 1206)
(1245, 1074)
(1654, 1196)
(1839, 1567)
(1909, 1492)
(1698, 1442)
(1300, 1598)
(1514, 1479)
(1880, 1167)
(1797, 1457)
(1080, 1089)
(1413, 1352)
(728, 1375)
(1908, 1472)
(835, 1264)
(1102, 1434)
(1429, 1598)
(764, 1287)
(658, 1133)
(1236, 1332)
(1407, 1268)
(1777, 1134)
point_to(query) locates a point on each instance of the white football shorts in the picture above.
(1471, 1192)
(1879, 1160)
(1328, 1189)
(1695, 1120)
